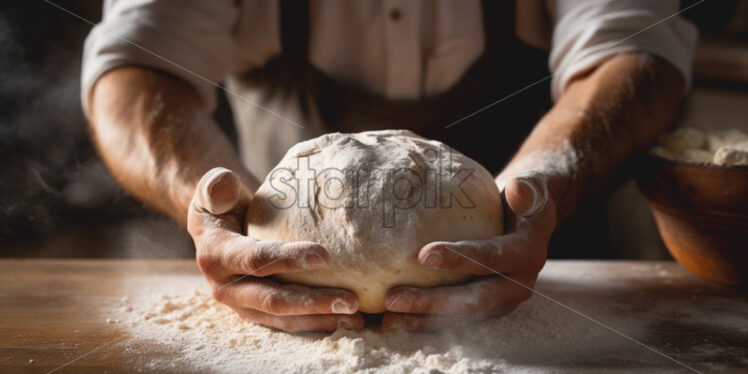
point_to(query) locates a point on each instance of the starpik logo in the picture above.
(435, 184)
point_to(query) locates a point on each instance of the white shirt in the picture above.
(421, 53)
(425, 51)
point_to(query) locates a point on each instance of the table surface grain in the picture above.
(53, 312)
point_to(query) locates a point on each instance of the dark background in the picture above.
(56, 197)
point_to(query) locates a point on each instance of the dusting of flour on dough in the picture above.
(373, 200)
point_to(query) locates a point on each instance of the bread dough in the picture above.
(373, 200)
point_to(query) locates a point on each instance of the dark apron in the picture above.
(490, 136)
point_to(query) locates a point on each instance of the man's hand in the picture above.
(603, 116)
(237, 266)
(163, 146)
(507, 265)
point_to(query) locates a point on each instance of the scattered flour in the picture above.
(723, 147)
(201, 335)
(177, 327)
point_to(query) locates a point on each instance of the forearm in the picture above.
(156, 138)
(602, 118)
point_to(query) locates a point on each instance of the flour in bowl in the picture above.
(720, 147)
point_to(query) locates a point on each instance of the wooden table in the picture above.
(53, 314)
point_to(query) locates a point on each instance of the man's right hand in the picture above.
(237, 266)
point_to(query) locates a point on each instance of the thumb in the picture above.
(527, 193)
(218, 191)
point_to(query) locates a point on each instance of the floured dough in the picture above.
(374, 199)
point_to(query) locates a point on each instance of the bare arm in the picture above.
(603, 117)
(157, 138)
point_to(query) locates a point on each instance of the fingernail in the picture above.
(433, 259)
(534, 191)
(221, 191)
(539, 197)
(341, 307)
(399, 304)
(343, 324)
(312, 260)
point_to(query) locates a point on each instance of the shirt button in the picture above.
(395, 15)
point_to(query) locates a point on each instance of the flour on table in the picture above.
(199, 334)
(179, 328)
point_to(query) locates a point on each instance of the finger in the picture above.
(485, 296)
(218, 203)
(521, 251)
(312, 322)
(277, 299)
(503, 254)
(223, 251)
(224, 254)
(527, 193)
(219, 191)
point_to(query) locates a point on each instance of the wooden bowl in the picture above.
(702, 215)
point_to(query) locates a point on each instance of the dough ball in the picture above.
(373, 200)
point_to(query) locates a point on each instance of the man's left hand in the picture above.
(505, 266)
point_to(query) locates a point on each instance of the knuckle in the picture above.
(254, 258)
(250, 262)
(271, 303)
(220, 294)
(206, 261)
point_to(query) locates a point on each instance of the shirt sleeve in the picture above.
(586, 33)
(191, 39)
